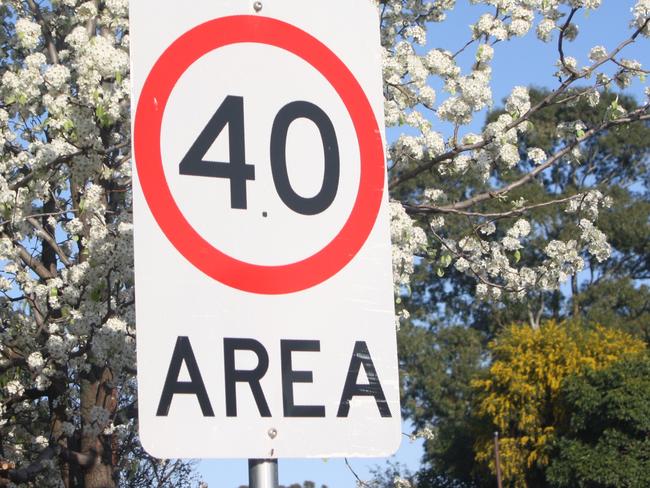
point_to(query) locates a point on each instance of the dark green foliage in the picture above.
(437, 365)
(621, 303)
(607, 441)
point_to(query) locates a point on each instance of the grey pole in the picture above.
(497, 460)
(262, 473)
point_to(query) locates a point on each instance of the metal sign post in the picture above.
(262, 473)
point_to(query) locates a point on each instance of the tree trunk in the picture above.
(575, 297)
(97, 391)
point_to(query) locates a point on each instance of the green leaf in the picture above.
(68, 125)
(440, 272)
(96, 295)
(517, 256)
(102, 116)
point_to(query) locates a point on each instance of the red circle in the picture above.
(157, 88)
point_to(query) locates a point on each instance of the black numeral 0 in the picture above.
(324, 198)
(231, 113)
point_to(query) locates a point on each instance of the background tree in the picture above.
(439, 359)
(519, 396)
(67, 360)
(606, 441)
(542, 207)
(437, 370)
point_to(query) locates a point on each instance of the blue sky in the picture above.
(524, 61)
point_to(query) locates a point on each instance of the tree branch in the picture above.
(429, 209)
(47, 33)
(43, 234)
(37, 266)
(632, 117)
(29, 472)
(560, 44)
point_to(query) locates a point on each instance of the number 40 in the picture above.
(231, 113)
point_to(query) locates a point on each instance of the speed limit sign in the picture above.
(263, 272)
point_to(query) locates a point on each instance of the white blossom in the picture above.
(640, 13)
(427, 433)
(402, 316)
(596, 240)
(481, 290)
(427, 96)
(41, 441)
(545, 29)
(28, 33)
(567, 67)
(593, 97)
(597, 53)
(86, 11)
(408, 239)
(509, 154)
(484, 53)
(462, 264)
(437, 222)
(35, 361)
(518, 102)
(511, 243)
(14, 388)
(571, 31)
(118, 8)
(42, 382)
(521, 228)
(57, 76)
(488, 229)
(441, 63)
(537, 155)
(434, 194)
(435, 144)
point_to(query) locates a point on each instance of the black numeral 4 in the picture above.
(231, 113)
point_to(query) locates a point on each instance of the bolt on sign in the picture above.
(264, 304)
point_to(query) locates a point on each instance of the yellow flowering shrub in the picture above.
(519, 393)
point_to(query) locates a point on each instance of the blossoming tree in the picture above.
(67, 363)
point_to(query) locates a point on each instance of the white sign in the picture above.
(263, 264)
